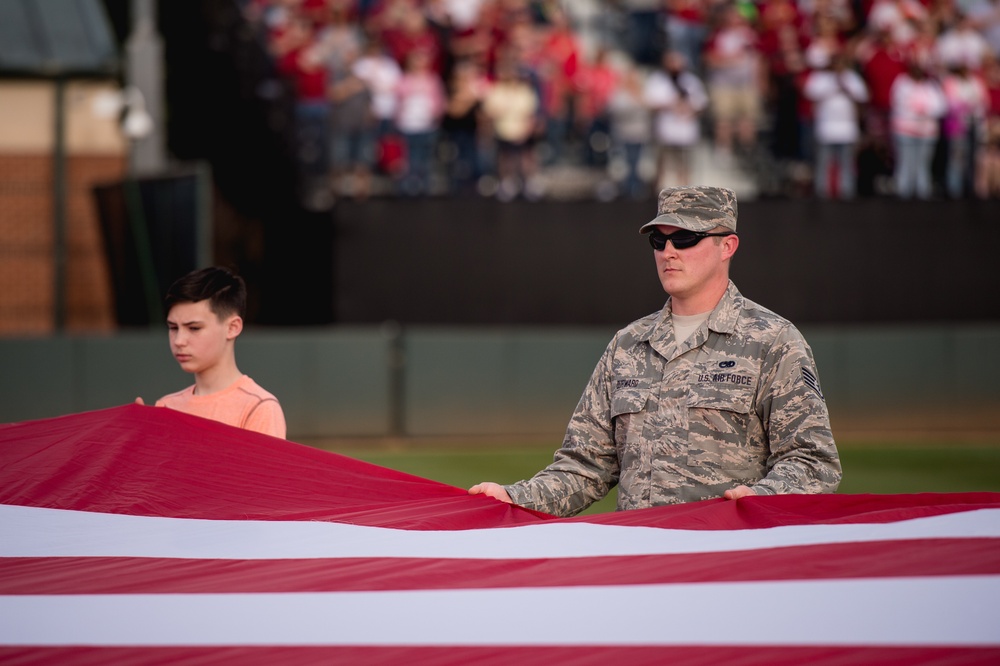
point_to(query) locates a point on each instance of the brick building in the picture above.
(95, 153)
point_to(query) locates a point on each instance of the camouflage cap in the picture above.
(695, 208)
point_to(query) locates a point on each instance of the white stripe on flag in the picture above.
(933, 611)
(37, 532)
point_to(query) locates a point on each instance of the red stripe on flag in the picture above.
(782, 510)
(749, 655)
(116, 575)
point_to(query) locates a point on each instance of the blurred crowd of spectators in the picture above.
(834, 98)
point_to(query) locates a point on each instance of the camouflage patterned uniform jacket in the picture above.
(738, 402)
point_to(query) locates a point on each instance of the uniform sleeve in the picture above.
(803, 456)
(586, 466)
(268, 418)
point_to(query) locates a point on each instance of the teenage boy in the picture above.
(205, 311)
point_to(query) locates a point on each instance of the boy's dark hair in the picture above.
(226, 292)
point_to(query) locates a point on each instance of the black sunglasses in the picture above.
(682, 239)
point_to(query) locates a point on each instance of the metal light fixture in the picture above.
(136, 122)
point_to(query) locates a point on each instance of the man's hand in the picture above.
(490, 489)
(139, 401)
(738, 492)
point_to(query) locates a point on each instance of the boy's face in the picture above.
(199, 339)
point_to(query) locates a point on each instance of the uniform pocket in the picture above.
(628, 401)
(628, 409)
(720, 409)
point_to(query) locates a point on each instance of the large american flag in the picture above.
(141, 535)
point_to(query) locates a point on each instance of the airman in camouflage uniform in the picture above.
(733, 410)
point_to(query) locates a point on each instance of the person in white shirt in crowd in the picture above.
(835, 90)
(381, 74)
(511, 110)
(900, 18)
(630, 126)
(917, 107)
(962, 44)
(985, 16)
(677, 97)
(964, 126)
(421, 100)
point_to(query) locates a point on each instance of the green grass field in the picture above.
(869, 467)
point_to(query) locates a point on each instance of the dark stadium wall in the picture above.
(436, 261)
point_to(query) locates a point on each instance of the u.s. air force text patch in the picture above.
(725, 378)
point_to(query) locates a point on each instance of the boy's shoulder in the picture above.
(247, 385)
(183, 394)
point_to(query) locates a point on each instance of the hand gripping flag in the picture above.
(141, 535)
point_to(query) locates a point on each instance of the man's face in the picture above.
(198, 337)
(686, 273)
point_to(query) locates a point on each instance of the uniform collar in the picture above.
(723, 319)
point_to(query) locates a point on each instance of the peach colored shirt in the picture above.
(244, 405)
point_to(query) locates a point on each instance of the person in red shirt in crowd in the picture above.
(881, 60)
(791, 111)
(783, 37)
(988, 169)
(558, 67)
(687, 30)
(597, 82)
(316, 12)
(991, 77)
(302, 61)
(777, 17)
(735, 78)
(412, 32)
(501, 21)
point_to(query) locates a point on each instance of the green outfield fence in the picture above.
(518, 383)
